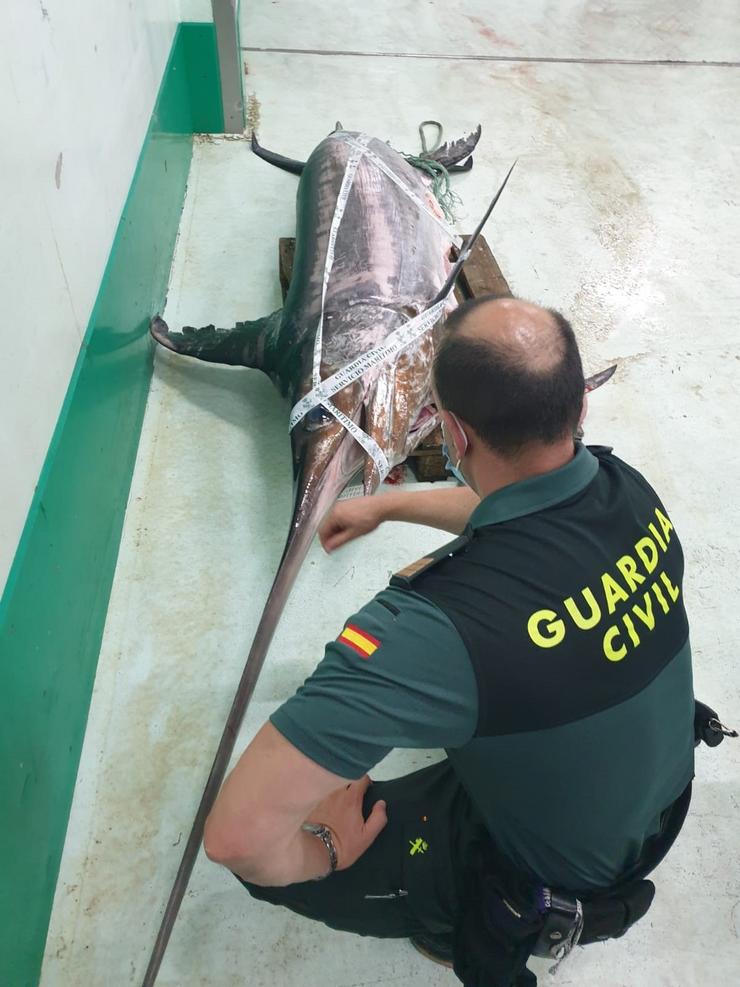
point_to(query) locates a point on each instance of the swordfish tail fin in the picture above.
(452, 153)
(246, 345)
(457, 169)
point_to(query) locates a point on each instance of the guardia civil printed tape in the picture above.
(396, 341)
(367, 442)
(350, 170)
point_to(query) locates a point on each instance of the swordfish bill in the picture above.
(293, 555)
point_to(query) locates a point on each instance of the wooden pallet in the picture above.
(480, 275)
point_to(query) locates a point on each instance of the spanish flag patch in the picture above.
(360, 641)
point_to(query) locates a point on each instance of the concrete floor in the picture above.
(623, 212)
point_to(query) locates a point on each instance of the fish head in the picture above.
(390, 402)
(398, 409)
(325, 456)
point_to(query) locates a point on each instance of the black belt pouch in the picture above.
(609, 916)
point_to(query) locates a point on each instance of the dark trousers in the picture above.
(406, 883)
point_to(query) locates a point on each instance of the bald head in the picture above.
(512, 371)
(528, 334)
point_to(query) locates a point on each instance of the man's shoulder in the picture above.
(400, 625)
(607, 457)
(631, 478)
(405, 578)
(396, 675)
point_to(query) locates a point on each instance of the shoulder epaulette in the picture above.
(405, 577)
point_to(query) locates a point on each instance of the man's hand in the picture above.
(350, 519)
(254, 828)
(342, 813)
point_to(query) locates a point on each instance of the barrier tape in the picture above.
(396, 341)
(367, 442)
(350, 170)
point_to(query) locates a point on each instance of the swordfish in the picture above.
(372, 256)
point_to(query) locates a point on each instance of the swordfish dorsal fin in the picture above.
(248, 344)
(468, 245)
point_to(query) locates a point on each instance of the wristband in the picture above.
(323, 833)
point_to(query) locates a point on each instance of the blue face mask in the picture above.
(456, 472)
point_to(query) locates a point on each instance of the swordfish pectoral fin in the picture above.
(248, 344)
(591, 383)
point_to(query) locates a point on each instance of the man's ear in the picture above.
(584, 411)
(456, 433)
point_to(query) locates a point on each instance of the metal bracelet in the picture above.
(323, 833)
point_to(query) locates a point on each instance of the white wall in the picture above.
(196, 10)
(78, 80)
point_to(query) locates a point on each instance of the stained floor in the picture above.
(624, 212)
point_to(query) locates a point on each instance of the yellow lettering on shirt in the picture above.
(612, 653)
(656, 535)
(614, 594)
(646, 616)
(673, 591)
(664, 523)
(631, 629)
(660, 598)
(555, 628)
(628, 568)
(584, 623)
(648, 553)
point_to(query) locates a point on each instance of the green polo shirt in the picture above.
(548, 654)
(418, 688)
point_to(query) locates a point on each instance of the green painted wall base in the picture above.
(53, 610)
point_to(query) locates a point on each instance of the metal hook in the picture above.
(718, 727)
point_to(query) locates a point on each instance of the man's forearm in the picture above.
(448, 509)
(305, 858)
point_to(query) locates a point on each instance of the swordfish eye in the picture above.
(317, 418)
